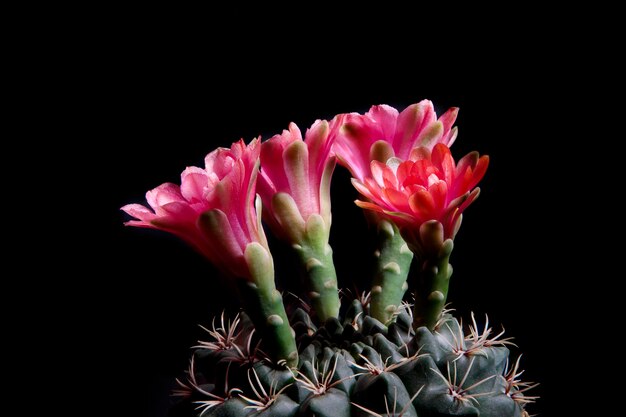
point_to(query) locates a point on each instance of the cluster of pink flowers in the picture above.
(401, 164)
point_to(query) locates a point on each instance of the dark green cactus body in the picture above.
(357, 367)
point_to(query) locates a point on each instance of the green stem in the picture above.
(265, 307)
(392, 268)
(432, 286)
(321, 281)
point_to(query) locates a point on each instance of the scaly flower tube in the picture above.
(379, 134)
(425, 196)
(214, 211)
(294, 184)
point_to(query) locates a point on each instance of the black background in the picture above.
(165, 100)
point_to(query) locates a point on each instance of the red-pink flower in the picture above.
(294, 182)
(382, 133)
(428, 186)
(213, 209)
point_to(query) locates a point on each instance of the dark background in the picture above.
(165, 100)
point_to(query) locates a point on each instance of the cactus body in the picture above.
(357, 367)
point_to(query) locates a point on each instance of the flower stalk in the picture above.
(433, 277)
(316, 256)
(265, 307)
(393, 261)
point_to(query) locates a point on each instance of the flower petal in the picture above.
(139, 212)
(447, 120)
(319, 144)
(422, 205)
(382, 119)
(286, 213)
(296, 166)
(365, 190)
(163, 194)
(369, 206)
(193, 181)
(215, 225)
(439, 193)
(442, 159)
(411, 122)
(480, 170)
(419, 153)
(378, 169)
(431, 135)
(381, 151)
(397, 199)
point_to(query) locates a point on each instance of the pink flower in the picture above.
(383, 132)
(294, 182)
(428, 186)
(213, 209)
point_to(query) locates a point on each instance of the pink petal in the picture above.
(140, 223)
(163, 194)
(364, 190)
(266, 189)
(419, 153)
(372, 186)
(470, 199)
(382, 119)
(252, 152)
(421, 170)
(354, 138)
(378, 169)
(480, 170)
(430, 135)
(139, 212)
(463, 182)
(369, 206)
(451, 138)
(456, 203)
(447, 120)
(455, 224)
(324, 189)
(468, 161)
(219, 162)
(272, 161)
(439, 193)
(442, 159)
(389, 177)
(193, 182)
(215, 225)
(422, 205)
(411, 122)
(296, 166)
(182, 211)
(319, 144)
(381, 151)
(403, 171)
(351, 152)
(398, 200)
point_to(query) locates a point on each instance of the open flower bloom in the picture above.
(294, 182)
(213, 209)
(428, 186)
(382, 133)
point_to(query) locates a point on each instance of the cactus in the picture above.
(356, 367)
(382, 356)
